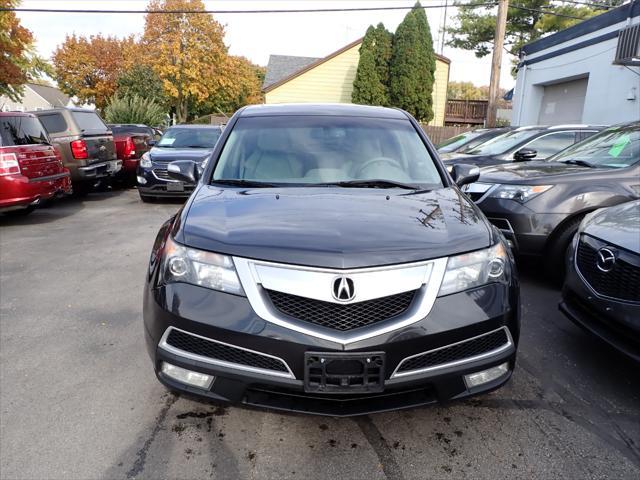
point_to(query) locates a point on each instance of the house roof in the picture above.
(281, 66)
(268, 86)
(52, 95)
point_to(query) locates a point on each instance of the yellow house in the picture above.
(330, 79)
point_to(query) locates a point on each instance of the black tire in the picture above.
(23, 212)
(556, 252)
(147, 198)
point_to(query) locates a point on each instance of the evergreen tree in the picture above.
(367, 86)
(383, 44)
(413, 66)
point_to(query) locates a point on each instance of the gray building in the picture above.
(587, 73)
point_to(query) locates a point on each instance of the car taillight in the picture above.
(79, 149)
(9, 164)
(129, 148)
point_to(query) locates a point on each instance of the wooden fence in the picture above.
(439, 134)
(466, 111)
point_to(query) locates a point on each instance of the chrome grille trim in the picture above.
(474, 358)
(426, 277)
(246, 368)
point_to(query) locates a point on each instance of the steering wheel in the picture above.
(389, 161)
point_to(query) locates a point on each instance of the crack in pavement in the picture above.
(139, 464)
(379, 444)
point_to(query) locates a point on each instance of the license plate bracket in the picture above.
(175, 187)
(337, 372)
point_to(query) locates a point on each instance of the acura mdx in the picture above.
(327, 263)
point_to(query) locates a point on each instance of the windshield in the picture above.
(325, 149)
(504, 143)
(131, 129)
(456, 142)
(189, 138)
(616, 147)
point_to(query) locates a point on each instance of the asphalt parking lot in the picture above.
(79, 399)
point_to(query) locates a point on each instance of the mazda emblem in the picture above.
(606, 259)
(343, 289)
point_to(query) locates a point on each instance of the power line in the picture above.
(284, 10)
(546, 12)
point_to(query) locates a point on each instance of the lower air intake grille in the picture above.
(459, 351)
(226, 353)
(338, 316)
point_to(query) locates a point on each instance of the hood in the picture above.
(532, 172)
(162, 154)
(333, 227)
(619, 225)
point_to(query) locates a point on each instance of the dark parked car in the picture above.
(471, 139)
(523, 144)
(132, 141)
(30, 167)
(539, 205)
(602, 289)
(181, 142)
(85, 144)
(327, 263)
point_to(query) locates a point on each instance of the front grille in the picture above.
(342, 317)
(459, 351)
(621, 282)
(161, 173)
(226, 353)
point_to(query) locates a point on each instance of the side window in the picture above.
(54, 123)
(551, 143)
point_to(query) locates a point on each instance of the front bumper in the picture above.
(526, 229)
(615, 322)
(230, 320)
(154, 184)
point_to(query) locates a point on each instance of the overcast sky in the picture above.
(256, 36)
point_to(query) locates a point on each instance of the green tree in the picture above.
(134, 109)
(473, 27)
(368, 89)
(413, 65)
(142, 81)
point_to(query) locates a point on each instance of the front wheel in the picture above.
(556, 253)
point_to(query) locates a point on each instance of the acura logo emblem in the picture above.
(606, 259)
(343, 289)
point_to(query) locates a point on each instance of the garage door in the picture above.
(563, 102)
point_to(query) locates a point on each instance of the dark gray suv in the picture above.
(539, 205)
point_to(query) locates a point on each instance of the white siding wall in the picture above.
(607, 90)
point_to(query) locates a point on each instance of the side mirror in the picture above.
(525, 154)
(151, 143)
(184, 170)
(463, 174)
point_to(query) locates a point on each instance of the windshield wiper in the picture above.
(581, 163)
(236, 182)
(370, 184)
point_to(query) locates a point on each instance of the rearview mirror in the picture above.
(525, 154)
(184, 170)
(463, 174)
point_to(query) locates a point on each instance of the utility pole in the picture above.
(496, 62)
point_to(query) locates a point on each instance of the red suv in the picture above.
(30, 167)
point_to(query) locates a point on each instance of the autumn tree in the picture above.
(187, 52)
(413, 65)
(473, 27)
(89, 68)
(18, 62)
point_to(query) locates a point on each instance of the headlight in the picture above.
(197, 267)
(145, 161)
(475, 269)
(519, 193)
